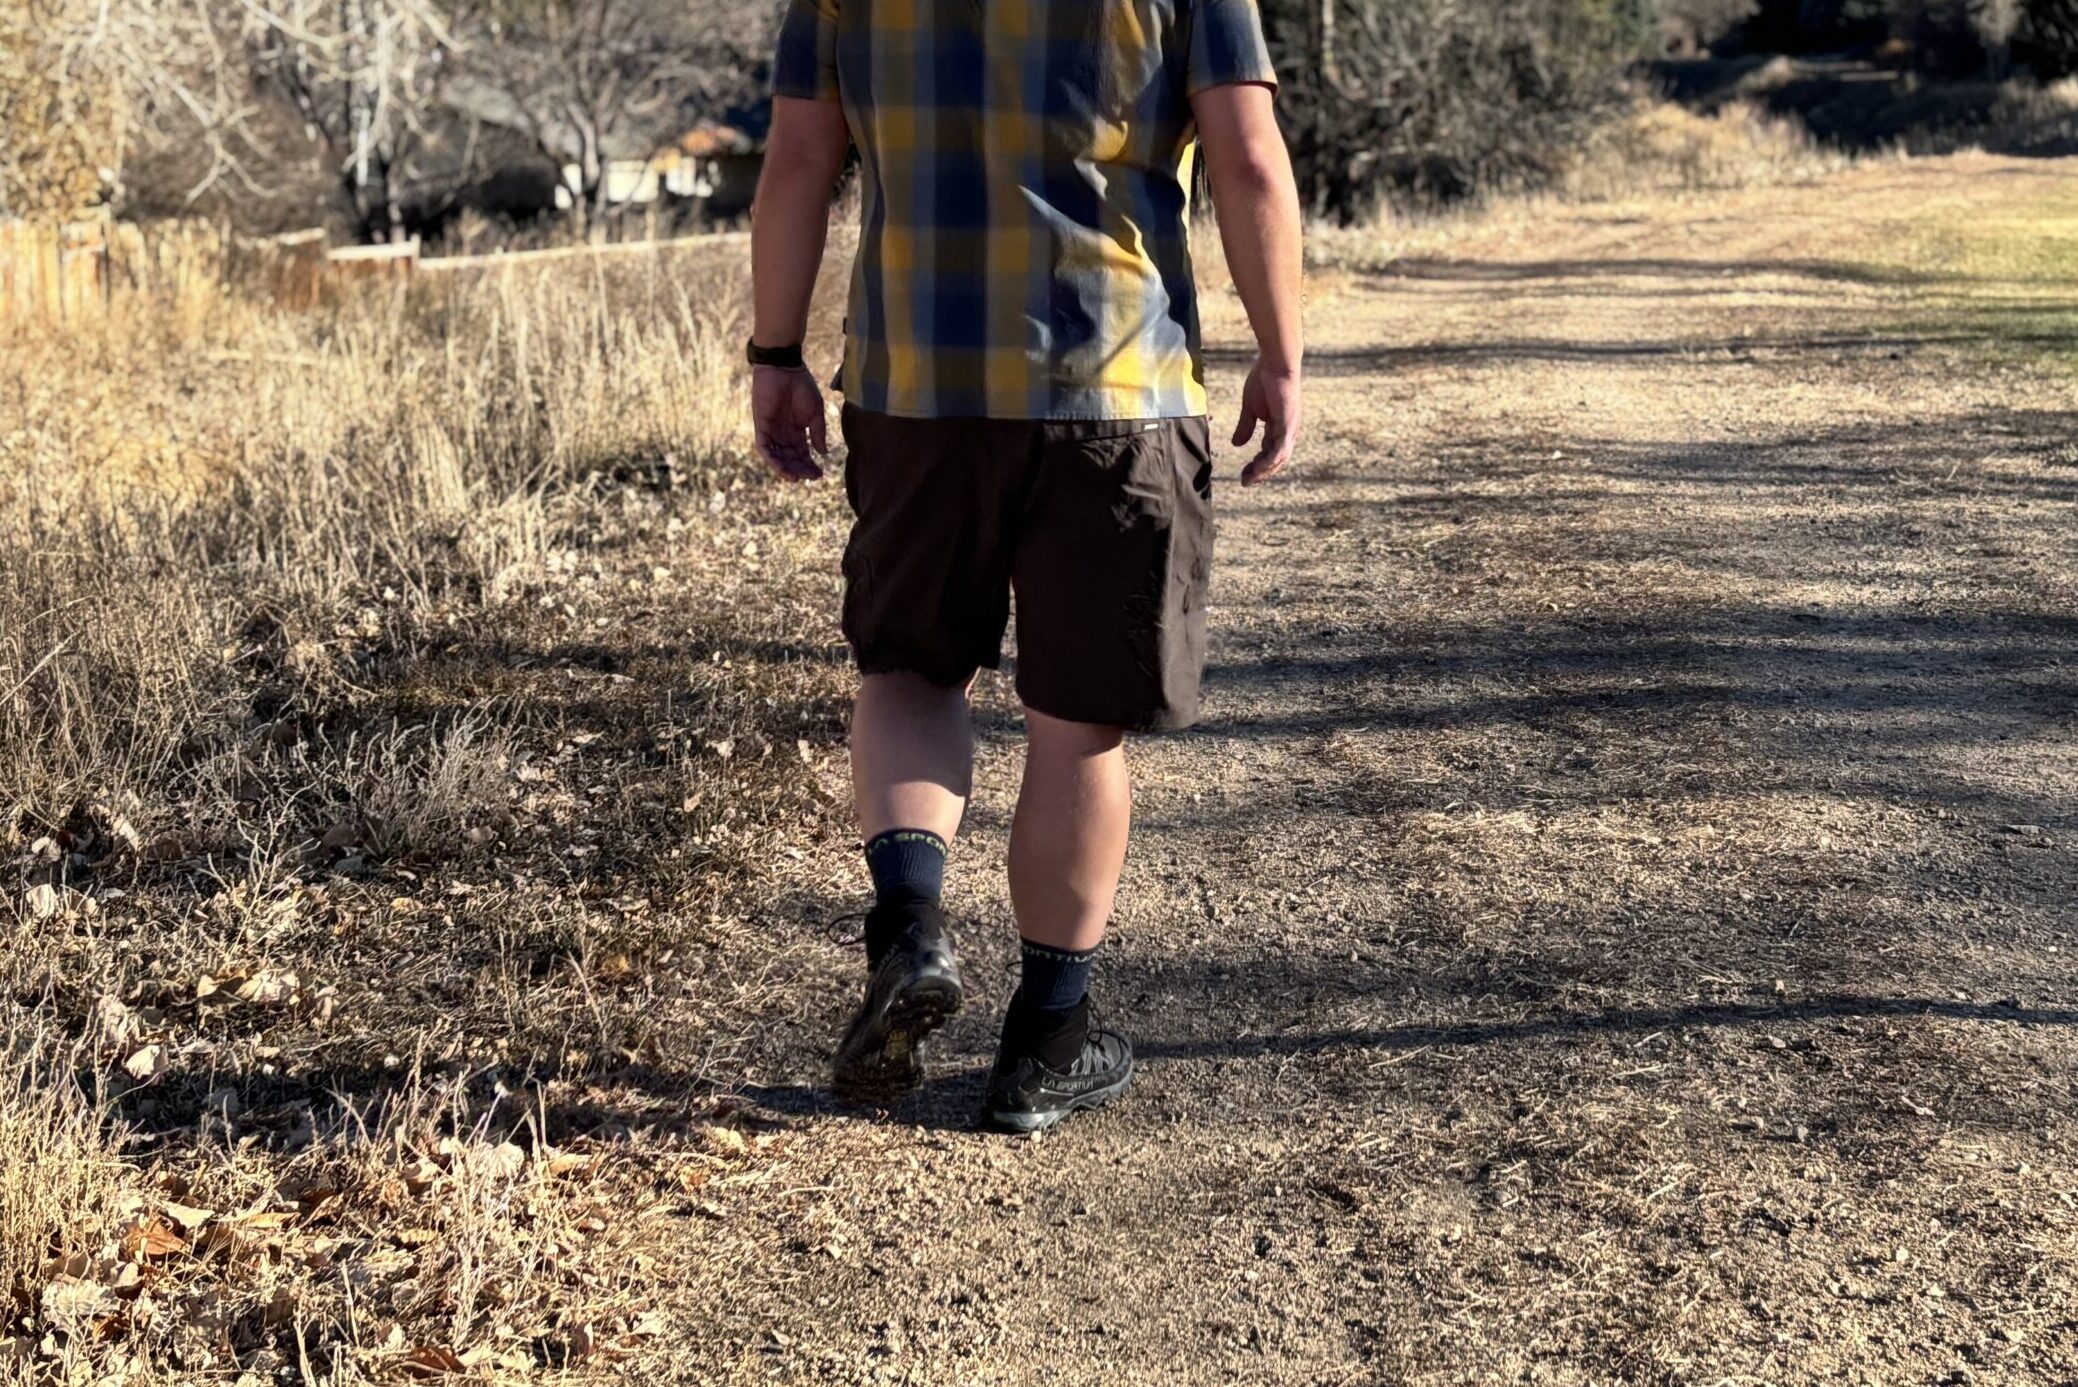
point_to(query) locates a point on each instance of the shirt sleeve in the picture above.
(806, 63)
(1227, 46)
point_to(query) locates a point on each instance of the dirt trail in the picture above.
(1616, 920)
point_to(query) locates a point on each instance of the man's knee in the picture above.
(1050, 733)
(910, 687)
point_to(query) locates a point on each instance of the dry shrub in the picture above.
(1657, 148)
(1432, 101)
(380, 815)
(422, 788)
(1661, 147)
(60, 116)
(175, 491)
(63, 1185)
(59, 1164)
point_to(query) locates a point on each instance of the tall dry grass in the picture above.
(172, 485)
(1652, 151)
(378, 814)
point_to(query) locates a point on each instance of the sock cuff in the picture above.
(1049, 951)
(903, 836)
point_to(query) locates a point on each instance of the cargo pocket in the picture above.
(1191, 524)
(854, 566)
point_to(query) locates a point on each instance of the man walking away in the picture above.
(1025, 412)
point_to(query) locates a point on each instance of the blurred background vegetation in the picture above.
(381, 118)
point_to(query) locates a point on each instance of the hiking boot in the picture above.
(1089, 1066)
(911, 991)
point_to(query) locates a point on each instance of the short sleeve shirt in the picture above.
(1024, 248)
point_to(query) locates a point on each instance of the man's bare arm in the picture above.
(1257, 203)
(789, 222)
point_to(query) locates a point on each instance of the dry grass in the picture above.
(1655, 153)
(1663, 148)
(378, 823)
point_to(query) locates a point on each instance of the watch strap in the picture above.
(788, 357)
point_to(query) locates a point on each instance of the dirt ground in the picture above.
(1613, 924)
(1615, 921)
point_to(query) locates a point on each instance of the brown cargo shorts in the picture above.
(1102, 528)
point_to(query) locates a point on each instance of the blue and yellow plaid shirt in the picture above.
(1024, 249)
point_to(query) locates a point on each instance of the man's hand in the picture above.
(787, 412)
(1271, 398)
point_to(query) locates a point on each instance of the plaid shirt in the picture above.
(1024, 250)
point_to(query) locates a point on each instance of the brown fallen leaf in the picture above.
(280, 1310)
(265, 1219)
(504, 1161)
(188, 1216)
(123, 831)
(153, 1238)
(269, 989)
(72, 1298)
(218, 992)
(312, 1193)
(568, 1163)
(726, 1140)
(146, 1064)
(120, 1026)
(428, 1362)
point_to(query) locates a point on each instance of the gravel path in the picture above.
(1616, 920)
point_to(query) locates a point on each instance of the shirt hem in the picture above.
(1061, 416)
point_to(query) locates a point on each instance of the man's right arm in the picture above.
(1257, 203)
(788, 224)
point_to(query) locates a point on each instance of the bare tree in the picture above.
(365, 75)
(362, 75)
(588, 79)
(78, 78)
(56, 128)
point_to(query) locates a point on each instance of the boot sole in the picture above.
(885, 1061)
(1025, 1123)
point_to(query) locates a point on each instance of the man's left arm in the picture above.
(789, 222)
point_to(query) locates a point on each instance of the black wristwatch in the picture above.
(786, 357)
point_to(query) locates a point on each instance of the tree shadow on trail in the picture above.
(1585, 1024)
(952, 1101)
(1446, 269)
(1867, 609)
(1451, 269)
(1382, 359)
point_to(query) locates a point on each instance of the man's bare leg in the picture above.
(912, 765)
(912, 755)
(1067, 847)
(1068, 841)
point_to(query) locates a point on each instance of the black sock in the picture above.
(1054, 1038)
(908, 867)
(1053, 979)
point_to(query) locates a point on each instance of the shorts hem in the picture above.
(922, 669)
(1139, 723)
